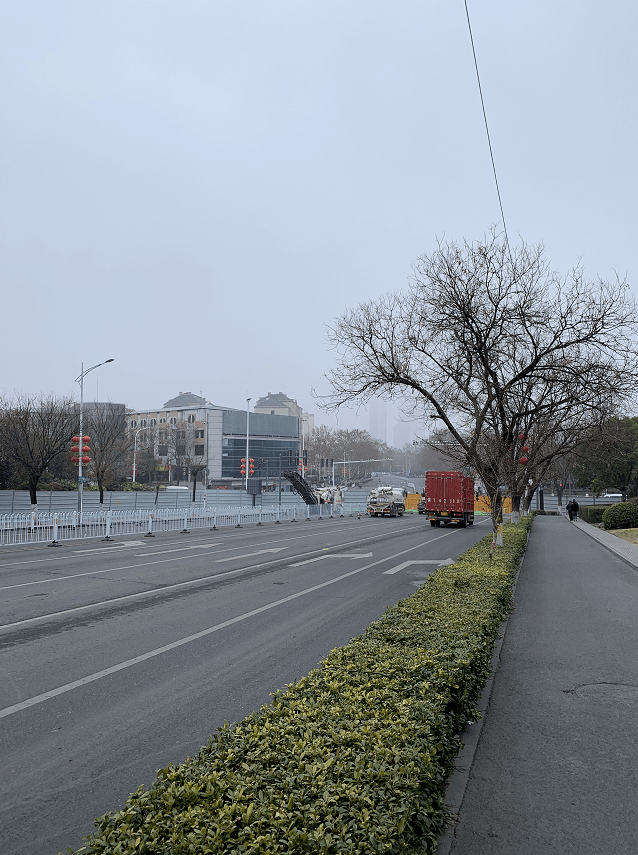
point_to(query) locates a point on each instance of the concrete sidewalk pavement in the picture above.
(555, 768)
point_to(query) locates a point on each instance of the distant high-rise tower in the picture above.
(378, 420)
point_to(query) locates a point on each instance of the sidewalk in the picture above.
(555, 768)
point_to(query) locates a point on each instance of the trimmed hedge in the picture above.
(592, 513)
(622, 515)
(354, 757)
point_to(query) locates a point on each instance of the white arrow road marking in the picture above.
(250, 554)
(179, 549)
(438, 561)
(110, 548)
(333, 555)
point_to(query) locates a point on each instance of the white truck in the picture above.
(386, 502)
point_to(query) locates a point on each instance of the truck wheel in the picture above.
(432, 523)
(462, 523)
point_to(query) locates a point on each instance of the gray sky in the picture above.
(198, 188)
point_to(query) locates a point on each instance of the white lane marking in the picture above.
(179, 549)
(333, 555)
(164, 560)
(125, 545)
(251, 554)
(437, 561)
(45, 696)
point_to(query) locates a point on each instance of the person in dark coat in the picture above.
(570, 510)
(575, 507)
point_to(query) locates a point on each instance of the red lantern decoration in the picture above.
(523, 460)
(526, 448)
(86, 460)
(75, 449)
(86, 448)
(75, 439)
(75, 460)
(521, 436)
(86, 438)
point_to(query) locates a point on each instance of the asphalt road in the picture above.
(117, 659)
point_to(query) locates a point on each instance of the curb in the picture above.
(455, 790)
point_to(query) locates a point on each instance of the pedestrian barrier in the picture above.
(55, 527)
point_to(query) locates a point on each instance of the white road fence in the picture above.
(55, 527)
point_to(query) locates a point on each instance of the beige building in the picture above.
(191, 433)
(279, 404)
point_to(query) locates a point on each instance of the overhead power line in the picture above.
(487, 130)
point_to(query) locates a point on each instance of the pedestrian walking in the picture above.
(570, 510)
(575, 507)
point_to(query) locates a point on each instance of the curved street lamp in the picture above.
(80, 379)
(139, 430)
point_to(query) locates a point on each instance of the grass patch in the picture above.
(354, 757)
(629, 534)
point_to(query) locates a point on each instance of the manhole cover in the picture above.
(614, 692)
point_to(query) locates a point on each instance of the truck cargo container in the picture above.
(449, 498)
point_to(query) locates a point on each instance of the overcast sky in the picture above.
(197, 188)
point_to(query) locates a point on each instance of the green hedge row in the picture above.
(354, 757)
(621, 515)
(592, 513)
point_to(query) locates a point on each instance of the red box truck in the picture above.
(449, 498)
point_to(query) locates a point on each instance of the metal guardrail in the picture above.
(54, 527)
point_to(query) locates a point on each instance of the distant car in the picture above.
(421, 505)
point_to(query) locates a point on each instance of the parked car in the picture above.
(421, 504)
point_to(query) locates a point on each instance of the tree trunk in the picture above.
(497, 520)
(194, 484)
(101, 488)
(33, 489)
(516, 508)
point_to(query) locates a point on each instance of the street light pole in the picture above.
(247, 438)
(80, 380)
(139, 430)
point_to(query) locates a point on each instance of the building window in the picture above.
(143, 423)
(153, 422)
(162, 421)
(199, 434)
(172, 420)
(199, 451)
(133, 423)
(180, 450)
(191, 419)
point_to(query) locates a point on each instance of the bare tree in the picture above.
(494, 343)
(345, 445)
(110, 444)
(34, 430)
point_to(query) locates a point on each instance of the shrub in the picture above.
(622, 515)
(354, 757)
(592, 513)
